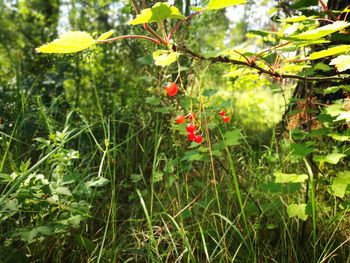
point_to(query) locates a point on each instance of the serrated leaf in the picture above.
(69, 42)
(330, 52)
(158, 13)
(219, 4)
(97, 182)
(297, 210)
(323, 31)
(283, 178)
(105, 36)
(164, 58)
(340, 183)
(342, 63)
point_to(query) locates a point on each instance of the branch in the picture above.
(156, 41)
(274, 74)
(327, 11)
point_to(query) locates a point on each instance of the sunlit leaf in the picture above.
(164, 57)
(294, 19)
(332, 158)
(158, 13)
(106, 35)
(340, 183)
(323, 31)
(297, 210)
(218, 4)
(69, 42)
(339, 137)
(342, 63)
(344, 115)
(290, 178)
(330, 52)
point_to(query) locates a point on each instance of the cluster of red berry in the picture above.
(224, 117)
(191, 127)
(171, 89)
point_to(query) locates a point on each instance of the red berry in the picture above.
(226, 119)
(180, 119)
(191, 128)
(171, 89)
(222, 113)
(191, 136)
(198, 139)
(191, 116)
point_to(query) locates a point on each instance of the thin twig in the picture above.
(178, 24)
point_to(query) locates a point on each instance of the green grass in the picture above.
(158, 206)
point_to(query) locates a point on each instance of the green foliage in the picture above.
(218, 4)
(157, 13)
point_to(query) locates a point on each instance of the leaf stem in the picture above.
(156, 41)
(178, 24)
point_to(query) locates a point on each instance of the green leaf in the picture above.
(164, 58)
(158, 13)
(97, 182)
(344, 115)
(157, 176)
(218, 4)
(302, 149)
(332, 158)
(232, 137)
(69, 42)
(154, 101)
(294, 19)
(339, 137)
(106, 35)
(330, 52)
(282, 178)
(340, 183)
(63, 191)
(297, 210)
(334, 109)
(342, 63)
(323, 31)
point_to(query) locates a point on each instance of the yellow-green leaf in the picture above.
(340, 183)
(323, 31)
(158, 13)
(164, 57)
(297, 210)
(218, 4)
(283, 178)
(106, 35)
(330, 52)
(294, 19)
(342, 63)
(69, 42)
